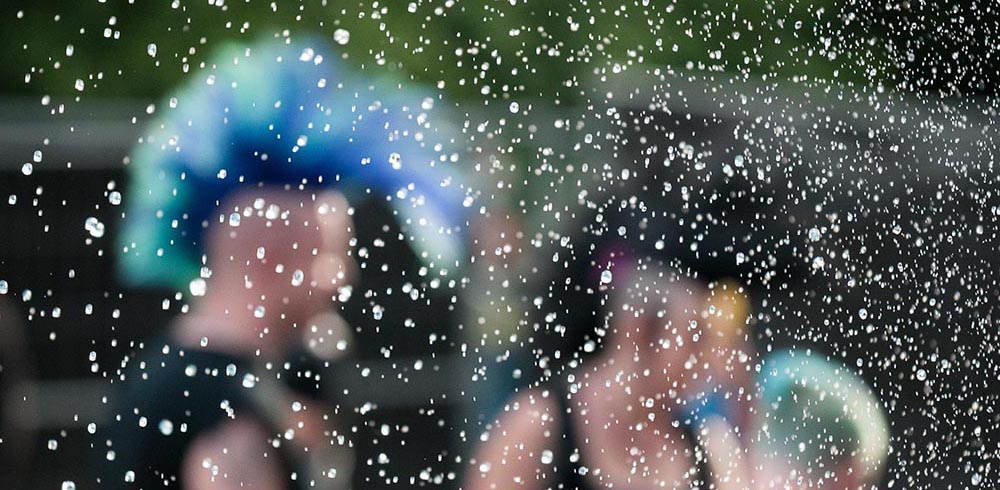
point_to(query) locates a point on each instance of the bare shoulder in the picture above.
(512, 448)
(235, 455)
(533, 408)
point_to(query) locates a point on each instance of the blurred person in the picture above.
(650, 372)
(214, 403)
(496, 316)
(612, 424)
(291, 114)
(16, 370)
(670, 401)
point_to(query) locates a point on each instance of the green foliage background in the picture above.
(533, 48)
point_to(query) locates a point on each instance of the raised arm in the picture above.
(512, 454)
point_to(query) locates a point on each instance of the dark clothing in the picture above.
(570, 472)
(173, 395)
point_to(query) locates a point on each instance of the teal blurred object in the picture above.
(282, 113)
(818, 414)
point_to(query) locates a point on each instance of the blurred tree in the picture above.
(483, 49)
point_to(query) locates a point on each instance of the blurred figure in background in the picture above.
(618, 422)
(651, 378)
(15, 404)
(227, 201)
(670, 401)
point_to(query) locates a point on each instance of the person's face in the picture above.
(690, 336)
(658, 317)
(308, 277)
(674, 332)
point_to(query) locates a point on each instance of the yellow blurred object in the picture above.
(727, 309)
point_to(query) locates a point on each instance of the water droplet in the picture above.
(166, 427)
(606, 277)
(129, 476)
(249, 380)
(297, 277)
(258, 312)
(396, 160)
(344, 293)
(53, 444)
(377, 312)
(4, 287)
(273, 212)
(234, 219)
(515, 107)
(814, 234)
(198, 287)
(203, 342)
(27, 168)
(151, 50)
(68, 485)
(78, 85)
(37, 157)
(115, 198)
(863, 313)
(231, 370)
(921, 375)
(546, 457)
(94, 227)
(342, 36)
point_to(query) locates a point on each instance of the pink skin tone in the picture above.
(314, 238)
(665, 343)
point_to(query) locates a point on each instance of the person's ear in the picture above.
(333, 220)
(334, 267)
